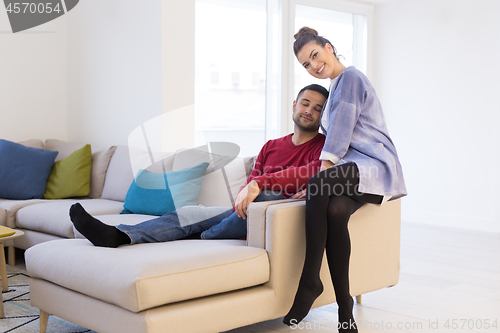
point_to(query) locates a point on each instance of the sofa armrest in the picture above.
(3, 216)
(279, 227)
(256, 223)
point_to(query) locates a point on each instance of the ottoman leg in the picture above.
(358, 299)
(44, 318)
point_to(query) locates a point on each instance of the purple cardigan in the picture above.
(357, 133)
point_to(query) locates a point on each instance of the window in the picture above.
(230, 73)
(246, 76)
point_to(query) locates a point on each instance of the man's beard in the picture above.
(313, 127)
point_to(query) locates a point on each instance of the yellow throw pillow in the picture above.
(70, 177)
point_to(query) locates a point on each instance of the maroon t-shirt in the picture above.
(285, 167)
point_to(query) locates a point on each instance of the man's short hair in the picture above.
(314, 87)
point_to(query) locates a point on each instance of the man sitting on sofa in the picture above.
(281, 170)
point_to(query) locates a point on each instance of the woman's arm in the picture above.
(347, 101)
(343, 117)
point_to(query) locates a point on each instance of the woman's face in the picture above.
(319, 61)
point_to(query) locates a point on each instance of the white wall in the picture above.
(33, 89)
(114, 69)
(436, 73)
(178, 34)
(98, 72)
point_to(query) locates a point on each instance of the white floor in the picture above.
(449, 282)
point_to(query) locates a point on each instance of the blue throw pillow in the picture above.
(161, 193)
(24, 170)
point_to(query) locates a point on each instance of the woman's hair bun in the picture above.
(308, 35)
(304, 31)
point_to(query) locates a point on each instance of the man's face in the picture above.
(307, 110)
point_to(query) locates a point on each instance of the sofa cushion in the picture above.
(64, 148)
(220, 187)
(70, 177)
(185, 158)
(52, 217)
(125, 163)
(9, 208)
(100, 161)
(119, 175)
(143, 276)
(34, 143)
(161, 193)
(23, 170)
(223, 179)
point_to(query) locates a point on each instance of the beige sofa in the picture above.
(205, 286)
(49, 219)
(113, 171)
(190, 285)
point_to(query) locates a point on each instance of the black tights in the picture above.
(332, 198)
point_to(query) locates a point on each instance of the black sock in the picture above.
(304, 299)
(98, 233)
(346, 322)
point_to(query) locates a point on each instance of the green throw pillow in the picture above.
(70, 177)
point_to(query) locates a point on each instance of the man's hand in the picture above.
(325, 164)
(246, 195)
(299, 195)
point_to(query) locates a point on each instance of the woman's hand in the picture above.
(246, 195)
(325, 164)
(299, 195)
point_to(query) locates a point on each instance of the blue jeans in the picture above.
(165, 228)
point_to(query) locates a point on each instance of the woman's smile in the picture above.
(319, 61)
(320, 71)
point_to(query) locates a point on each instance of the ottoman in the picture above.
(137, 284)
